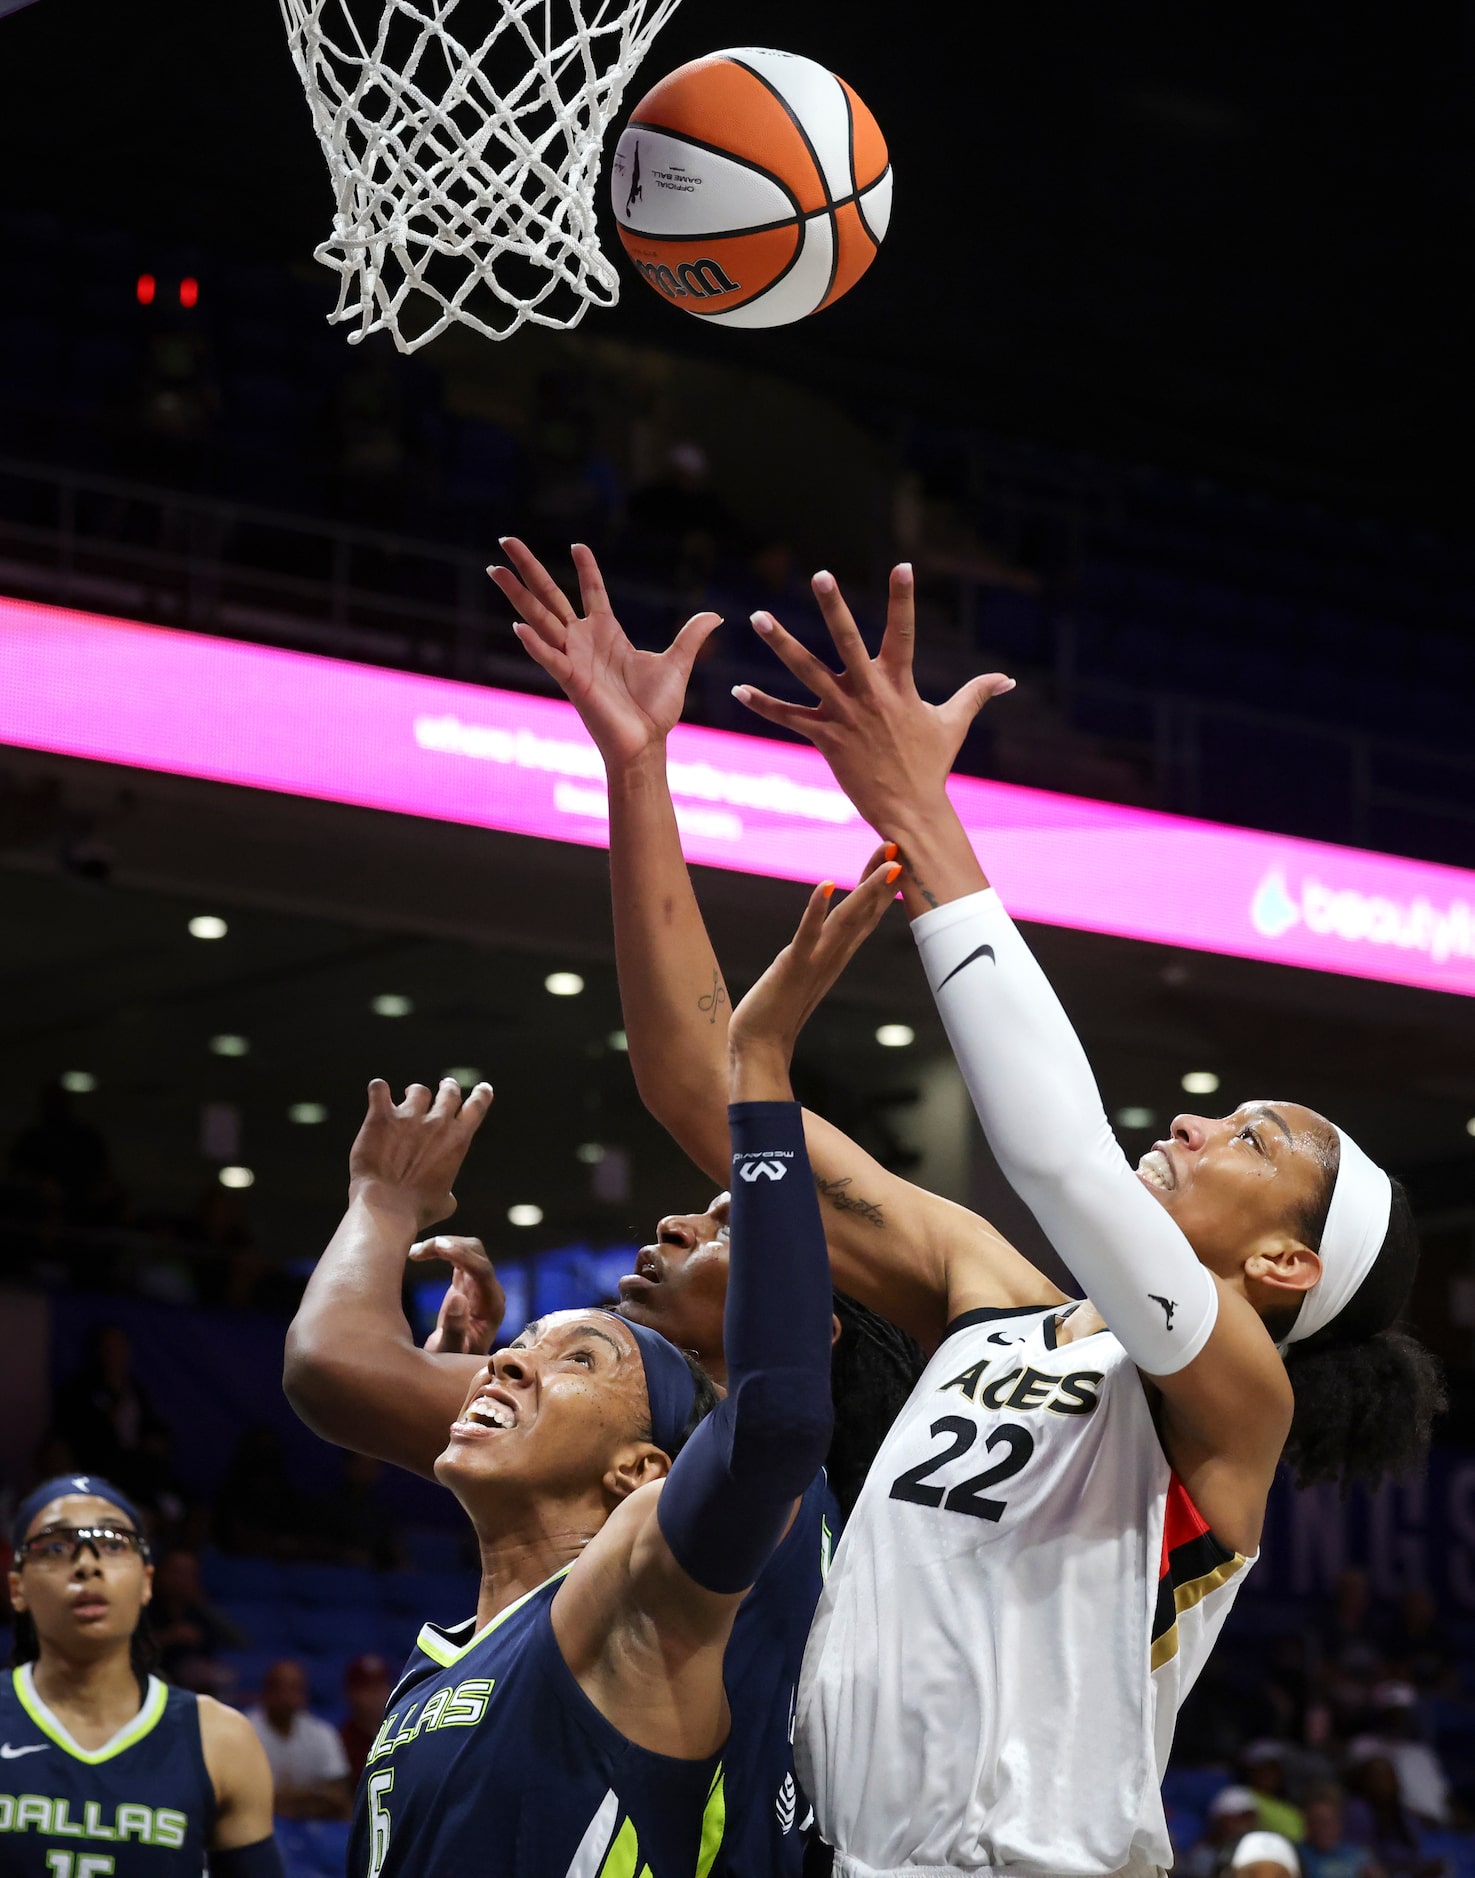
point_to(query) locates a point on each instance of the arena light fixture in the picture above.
(591, 1153)
(1470, 1126)
(525, 1215)
(307, 1114)
(207, 926)
(145, 289)
(189, 291)
(1135, 1117)
(237, 1177)
(563, 984)
(1200, 1082)
(895, 1036)
(228, 1045)
(83, 1082)
(617, 1040)
(391, 1004)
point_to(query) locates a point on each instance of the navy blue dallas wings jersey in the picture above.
(493, 1763)
(140, 1806)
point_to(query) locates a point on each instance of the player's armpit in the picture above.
(910, 1255)
(644, 1642)
(240, 1774)
(1224, 1419)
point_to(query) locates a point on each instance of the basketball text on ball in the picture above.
(751, 187)
(701, 278)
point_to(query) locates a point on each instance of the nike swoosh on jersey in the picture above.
(979, 952)
(8, 1753)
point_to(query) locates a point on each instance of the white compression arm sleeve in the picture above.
(1038, 1102)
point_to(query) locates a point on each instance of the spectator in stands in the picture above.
(1389, 1830)
(1326, 1851)
(1232, 1813)
(258, 1511)
(188, 1630)
(367, 1683)
(354, 1528)
(1418, 1646)
(1265, 1855)
(59, 1165)
(1422, 1784)
(106, 1418)
(1265, 1773)
(1348, 1637)
(309, 1768)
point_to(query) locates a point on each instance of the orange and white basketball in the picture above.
(752, 187)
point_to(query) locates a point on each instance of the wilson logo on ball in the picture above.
(700, 278)
(768, 167)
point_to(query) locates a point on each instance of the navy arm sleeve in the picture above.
(727, 1500)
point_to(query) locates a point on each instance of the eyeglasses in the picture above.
(58, 1546)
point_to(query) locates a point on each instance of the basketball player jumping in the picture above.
(106, 1770)
(1051, 1535)
(582, 1711)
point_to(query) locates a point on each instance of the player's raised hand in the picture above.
(890, 750)
(629, 700)
(408, 1154)
(472, 1310)
(766, 1024)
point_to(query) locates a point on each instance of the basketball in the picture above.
(752, 187)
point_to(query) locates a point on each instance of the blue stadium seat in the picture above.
(313, 1848)
(444, 1597)
(331, 1630)
(433, 1548)
(267, 1623)
(258, 1578)
(1192, 1788)
(341, 1587)
(325, 1677)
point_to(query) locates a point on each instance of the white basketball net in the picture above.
(464, 169)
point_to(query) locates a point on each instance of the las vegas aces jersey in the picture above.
(140, 1806)
(1022, 1599)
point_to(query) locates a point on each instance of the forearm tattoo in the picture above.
(712, 1001)
(838, 1193)
(926, 892)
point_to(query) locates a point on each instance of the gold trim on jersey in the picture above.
(431, 1643)
(143, 1723)
(1185, 1596)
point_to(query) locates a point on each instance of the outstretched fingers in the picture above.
(841, 623)
(899, 641)
(809, 670)
(592, 595)
(550, 628)
(693, 636)
(968, 700)
(797, 717)
(538, 580)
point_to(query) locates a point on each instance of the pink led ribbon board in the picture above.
(301, 725)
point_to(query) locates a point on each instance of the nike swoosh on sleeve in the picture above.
(979, 952)
(8, 1753)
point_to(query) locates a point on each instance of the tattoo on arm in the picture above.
(712, 1001)
(926, 892)
(838, 1193)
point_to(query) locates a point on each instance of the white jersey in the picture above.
(1020, 1602)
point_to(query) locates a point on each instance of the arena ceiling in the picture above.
(1238, 243)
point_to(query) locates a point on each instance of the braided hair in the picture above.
(873, 1369)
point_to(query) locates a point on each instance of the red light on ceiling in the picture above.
(189, 291)
(145, 290)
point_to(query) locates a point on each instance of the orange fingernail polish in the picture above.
(891, 850)
(827, 887)
(893, 872)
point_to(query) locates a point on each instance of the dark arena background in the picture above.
(1160, 380)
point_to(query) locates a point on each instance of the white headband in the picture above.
(1356, 1225)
